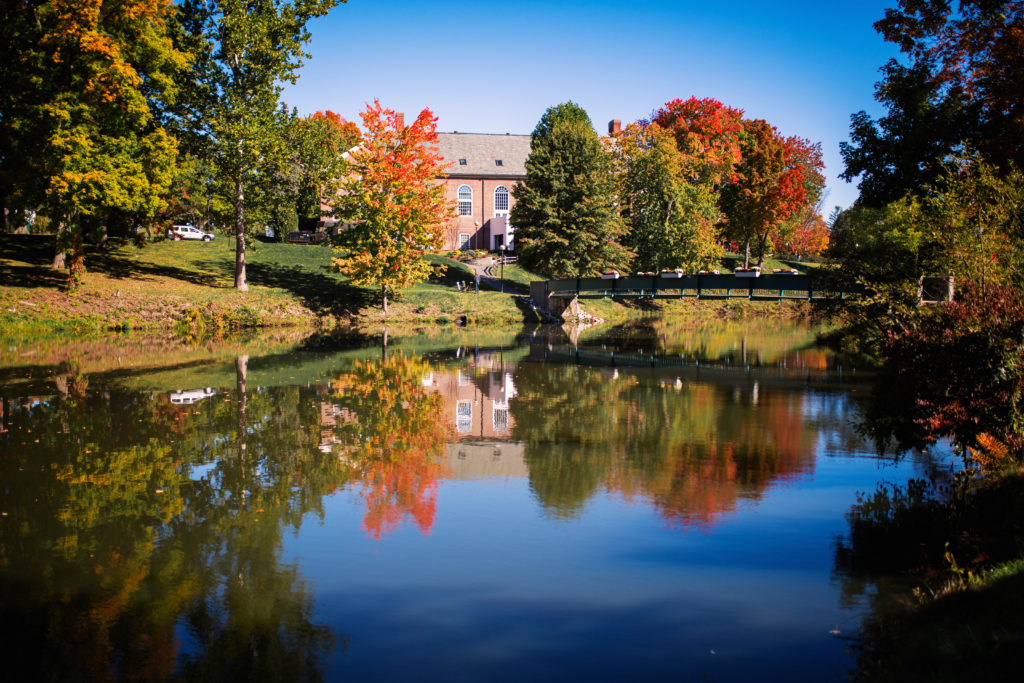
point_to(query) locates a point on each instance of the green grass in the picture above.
(521, 276)
(730, 262)
(170, 284)
(971, 632)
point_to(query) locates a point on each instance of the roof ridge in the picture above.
(462, 132)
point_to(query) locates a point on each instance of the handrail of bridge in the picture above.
(771, 286)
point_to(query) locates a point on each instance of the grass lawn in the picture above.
(166, 283)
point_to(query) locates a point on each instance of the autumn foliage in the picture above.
(707, 134)
(394, 431)
(397, 210)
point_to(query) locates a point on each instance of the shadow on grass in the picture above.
(321, 292)
(37, 252)
(121, 267)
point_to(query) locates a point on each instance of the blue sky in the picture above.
(494, 68)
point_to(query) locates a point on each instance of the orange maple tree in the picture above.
(397, 209)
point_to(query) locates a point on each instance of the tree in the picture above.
(671, 219)
(390, 195)
(567, 224)
(243, 51)
(964, 83)
(810, 236)
(320, 141)
(707, 134)
(80, 127)
(776, 178)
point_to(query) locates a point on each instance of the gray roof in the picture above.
(481, 152)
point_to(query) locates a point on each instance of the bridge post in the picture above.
(810, 287)
(750, 289)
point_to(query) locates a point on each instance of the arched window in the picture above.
(465, 200)
(501, 200)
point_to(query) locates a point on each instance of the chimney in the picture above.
(614, 126)
(400, 119)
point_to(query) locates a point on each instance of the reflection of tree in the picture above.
(129, 517)
(694, 450)
(393, 431)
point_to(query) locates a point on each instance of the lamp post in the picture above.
(502, 250)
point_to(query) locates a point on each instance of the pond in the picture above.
(650, 504)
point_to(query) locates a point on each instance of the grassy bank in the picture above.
(964, 544)
(188, 286)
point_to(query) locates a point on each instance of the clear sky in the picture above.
(495, 67)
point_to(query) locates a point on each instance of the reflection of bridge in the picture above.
(678, 369)
(770, 287)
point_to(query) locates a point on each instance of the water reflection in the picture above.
(141, 538)
(142, 533)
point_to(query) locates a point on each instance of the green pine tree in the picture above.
(565, 217)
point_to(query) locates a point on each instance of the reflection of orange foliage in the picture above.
(695, 482)
(397, 430)
(396, 489)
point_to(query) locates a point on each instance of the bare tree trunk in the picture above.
(746, 252)
(384, 345)
(384, 292)
(240, 283)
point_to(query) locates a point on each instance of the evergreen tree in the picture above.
(566, 220)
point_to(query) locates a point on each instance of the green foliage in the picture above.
(565, 216)
(962, 83)
(670, 219)
(80, 133)
(242, 54)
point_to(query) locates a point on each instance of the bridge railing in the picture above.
(704, 285)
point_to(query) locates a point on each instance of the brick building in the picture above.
(479, 180)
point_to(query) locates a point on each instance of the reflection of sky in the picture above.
(500, 591)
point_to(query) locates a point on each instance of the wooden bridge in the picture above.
(766, 287)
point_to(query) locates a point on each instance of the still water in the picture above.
(655, 504)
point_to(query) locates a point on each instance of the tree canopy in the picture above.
(565, 215)
(81, 137)
(396, 209)
(963, 84)
(242, 54)
(671, 219)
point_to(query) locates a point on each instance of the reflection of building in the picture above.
(484, 460)
(477, 402)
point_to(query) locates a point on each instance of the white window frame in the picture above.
(464, 416)
(465, 194)
(464, 238)
(497, 210)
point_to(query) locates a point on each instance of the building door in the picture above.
(501, 208)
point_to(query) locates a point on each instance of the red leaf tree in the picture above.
(776, 178)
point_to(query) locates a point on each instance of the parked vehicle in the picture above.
(190, 396)
(188, 232)
(306, 237)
